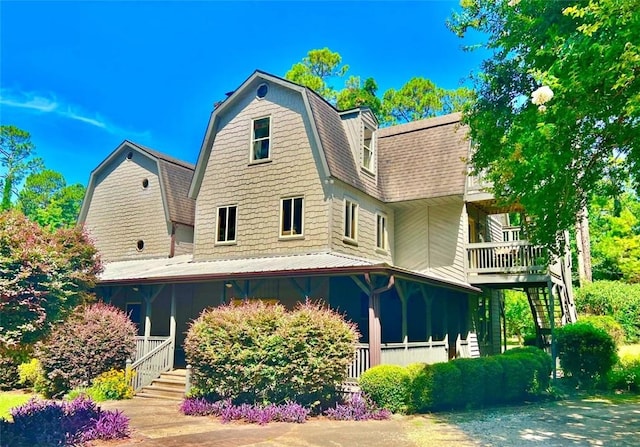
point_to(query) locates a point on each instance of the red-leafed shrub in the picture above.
(93, 340)
(44, 275)
(257, 353)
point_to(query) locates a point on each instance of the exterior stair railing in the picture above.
(149, 367)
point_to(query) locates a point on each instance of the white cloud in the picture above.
(43, 103)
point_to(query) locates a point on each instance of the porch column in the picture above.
(148, 299)
(375, 330)
(427, 304)
(172, 326)
(402, 294)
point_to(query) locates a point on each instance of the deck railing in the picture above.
(431, 351)
(506, 257)
(360, 362)
(149, 367)
(144, 345)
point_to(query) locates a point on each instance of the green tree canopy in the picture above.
(558, 103)
(356, 95)
(615, 237)
(420, 98)
(44, 274)
(315, 71)
(16, 157)
(46, 199)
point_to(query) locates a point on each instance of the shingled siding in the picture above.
(122, 212)
(258, 188)
(366, 224)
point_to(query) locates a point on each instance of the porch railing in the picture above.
(359, 364)
(506, 257)
(149, 367)
(431, 351)
(144, 345)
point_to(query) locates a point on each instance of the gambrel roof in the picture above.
(418, 160)
(175, 178)
(423, 159)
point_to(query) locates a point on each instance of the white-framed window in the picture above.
(381, 232)
(292, 216)
(227, 222)
(261, 138)
(350, 220)
(368, 149)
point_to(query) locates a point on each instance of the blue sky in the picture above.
(83, 76)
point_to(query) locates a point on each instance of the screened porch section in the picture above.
(399, 321)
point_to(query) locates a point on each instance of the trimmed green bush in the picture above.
(258, 353)
(586, 353)
(493, 384)
(516, 377)
(388, 386)
(473, 376)
(615, 299)
(420, 388)
(93, 340)
(543, 365)
(448, 387)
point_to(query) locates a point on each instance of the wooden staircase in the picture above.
(170, 385)
(556, 308)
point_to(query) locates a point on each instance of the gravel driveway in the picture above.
(575, 422)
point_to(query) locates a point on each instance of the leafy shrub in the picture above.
(94, 340)
(357, 407)
(493, 384)
(257, 353)
(44, 275)
(388, 386)
(607, 324)
(9, 377)
(447, 386)
(111, 385)
(625, 375)
(255, 414)
(586, 353)
(613, 298)
(435, 387)
(31, 375)
(50, 423)
(473, 376)
(516, 378)
(421, 386)
(543, 366)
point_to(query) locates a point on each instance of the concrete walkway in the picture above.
(587, 422)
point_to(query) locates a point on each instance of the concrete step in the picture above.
(146, 394)
(170, 385)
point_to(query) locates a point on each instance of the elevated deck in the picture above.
(508, 263)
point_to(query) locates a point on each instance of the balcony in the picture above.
(506, 262)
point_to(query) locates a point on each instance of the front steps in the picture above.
(169, 386)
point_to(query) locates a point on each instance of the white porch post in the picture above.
(148, 299)
(172, 326)
(147, 322)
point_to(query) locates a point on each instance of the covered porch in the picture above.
(402, 317)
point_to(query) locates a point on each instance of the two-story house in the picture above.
(292, 199)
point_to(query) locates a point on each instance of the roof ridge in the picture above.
(162, 156)
(427, 123)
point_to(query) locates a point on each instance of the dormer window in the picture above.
(368, 150)
(260, 139)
